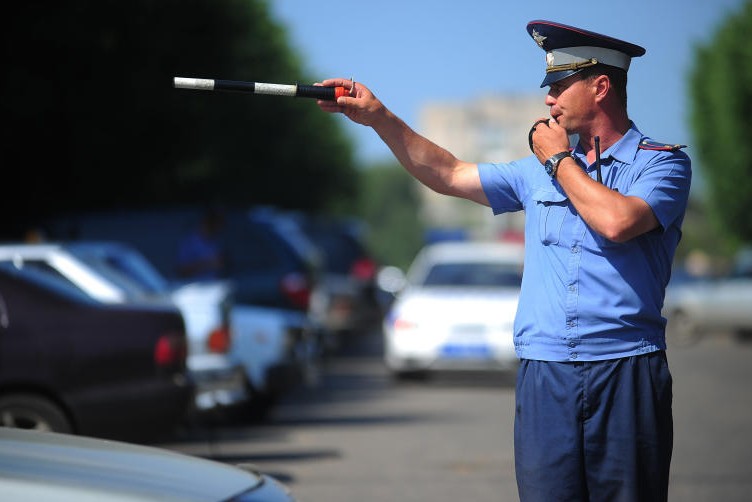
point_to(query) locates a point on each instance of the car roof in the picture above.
(511, 253)
(36, 250)
(68, 265)
(52, 466)
(472, 251)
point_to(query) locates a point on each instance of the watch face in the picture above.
(553, 163)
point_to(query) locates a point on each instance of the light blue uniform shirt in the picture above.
(585, 298)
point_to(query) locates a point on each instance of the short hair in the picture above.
(617, 76)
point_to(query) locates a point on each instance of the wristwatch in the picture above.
(552, 164)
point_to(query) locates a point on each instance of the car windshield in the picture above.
(129, 269)
(473, 274)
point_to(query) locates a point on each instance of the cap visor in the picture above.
(555, 76)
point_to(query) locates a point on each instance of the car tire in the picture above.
(261, 406)
(410, 375)
(256, 410)
(681, 331)
(29, 411)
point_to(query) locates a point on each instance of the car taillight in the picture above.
(297, 289)
(401, 324)
(219, 340)
(170, 350)
(364, 269)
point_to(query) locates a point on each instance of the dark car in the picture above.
(269, 260)
(345, 300)
(69, 363)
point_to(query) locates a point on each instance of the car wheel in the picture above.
(27, 411)
(744, 335)
(410, 375)
(256, 410)
(681, 331)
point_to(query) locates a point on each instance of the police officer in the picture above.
(594, 392)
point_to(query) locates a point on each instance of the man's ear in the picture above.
(601, 84)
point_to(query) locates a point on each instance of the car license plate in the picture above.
(466, 351)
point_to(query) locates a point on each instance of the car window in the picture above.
(130, 270)
(338, 243)
(341, 252)
(41, 273)
(252, 247)
(473, 274)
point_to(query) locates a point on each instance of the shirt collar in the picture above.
(623, 150)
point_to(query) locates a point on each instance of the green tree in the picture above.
(721, 119)
(96, 123)
(389, 204)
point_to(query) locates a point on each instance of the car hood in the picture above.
(67, 467)
(490, 304)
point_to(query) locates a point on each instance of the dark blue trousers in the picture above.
(598, 431)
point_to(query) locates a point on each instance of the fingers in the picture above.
(337, 82)
(335, 106)
(532, 131)
(357, 103)
(330, 106)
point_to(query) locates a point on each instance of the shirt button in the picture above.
(572, 344)
(573, 355)
(572, 288)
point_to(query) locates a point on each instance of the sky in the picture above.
(414, 52)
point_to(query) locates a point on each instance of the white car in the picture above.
(54, 467)
(457, 310)
(278, 349)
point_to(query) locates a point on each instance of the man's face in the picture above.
(571, 102)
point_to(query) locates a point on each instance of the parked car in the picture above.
(243, 358)
(695, 308)
(70, 363)
(117, 273)
(457, 310)
(271, 266)
(56, 467)
(279, 349)
(345, 302)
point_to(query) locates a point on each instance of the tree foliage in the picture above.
(391, 206)
(95, 122)
(721, 115)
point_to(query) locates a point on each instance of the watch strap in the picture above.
(552, 164)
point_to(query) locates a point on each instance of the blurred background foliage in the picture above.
(88, 85)
(720, 102)
(93, 122)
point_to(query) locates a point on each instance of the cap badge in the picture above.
(539, 39)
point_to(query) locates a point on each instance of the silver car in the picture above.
(697, 307)
(56, 467)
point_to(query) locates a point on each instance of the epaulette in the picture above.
(649, 144)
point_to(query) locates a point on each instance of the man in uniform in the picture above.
(602, 222)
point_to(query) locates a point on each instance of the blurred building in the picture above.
(491, 128)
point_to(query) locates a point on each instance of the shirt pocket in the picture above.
(551, 209)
